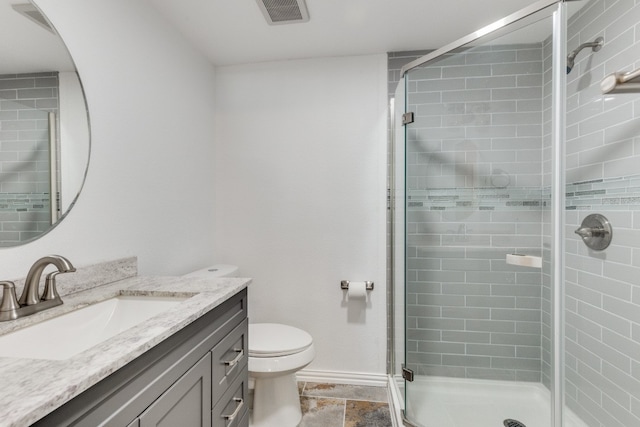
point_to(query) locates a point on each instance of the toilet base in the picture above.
(276, 402)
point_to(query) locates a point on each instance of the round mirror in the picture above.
(44, 125)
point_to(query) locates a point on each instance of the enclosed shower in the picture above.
(516, 222)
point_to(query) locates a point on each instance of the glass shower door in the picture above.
(602, 363)
(477, 220)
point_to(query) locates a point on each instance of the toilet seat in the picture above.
(269, 366)
(276, 340)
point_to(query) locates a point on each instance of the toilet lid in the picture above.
(274, 339)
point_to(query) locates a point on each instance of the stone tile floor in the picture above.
(338, 405)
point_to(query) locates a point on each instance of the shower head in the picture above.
(595, 46)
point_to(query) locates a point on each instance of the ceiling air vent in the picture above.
(278, 12)
(33, 13)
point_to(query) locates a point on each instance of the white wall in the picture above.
(148, 191)
(300, 158)
(300, 190)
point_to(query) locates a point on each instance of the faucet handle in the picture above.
(9, 306)
(50, 291)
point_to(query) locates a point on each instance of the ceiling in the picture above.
(28, 47)
(235, 31)
(232, 32)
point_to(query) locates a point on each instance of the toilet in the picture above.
(276, 353)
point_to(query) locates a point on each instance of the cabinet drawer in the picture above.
(229, 359)
(231, 409)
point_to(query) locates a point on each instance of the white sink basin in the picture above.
(64, 336)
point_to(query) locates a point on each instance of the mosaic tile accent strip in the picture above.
(23, 216)
(493, 199)
(621, 193)
(24, 202)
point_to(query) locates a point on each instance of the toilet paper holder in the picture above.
(344, 284)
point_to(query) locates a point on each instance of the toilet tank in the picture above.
(217, 270)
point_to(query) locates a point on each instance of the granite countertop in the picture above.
(32, 388)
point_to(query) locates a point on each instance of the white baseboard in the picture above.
(352, 378)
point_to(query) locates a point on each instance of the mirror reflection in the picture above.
(44, 129)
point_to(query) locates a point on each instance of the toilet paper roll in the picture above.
(357, 290)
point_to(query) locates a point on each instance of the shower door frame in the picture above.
(558, 138)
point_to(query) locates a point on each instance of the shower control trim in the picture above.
(596, 232)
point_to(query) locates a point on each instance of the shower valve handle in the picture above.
(590, 232)
(596, 232)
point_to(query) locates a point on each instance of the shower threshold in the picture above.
(453, 402)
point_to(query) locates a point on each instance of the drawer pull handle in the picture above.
(236, 359)
(240, 403)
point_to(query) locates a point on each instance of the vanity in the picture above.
(186, 366)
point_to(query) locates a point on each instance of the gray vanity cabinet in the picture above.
(196, 378)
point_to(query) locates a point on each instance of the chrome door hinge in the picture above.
(407, 118)
(407, 374)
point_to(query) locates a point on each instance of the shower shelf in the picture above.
(524, 260)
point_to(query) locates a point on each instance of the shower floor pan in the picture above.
(452, 402)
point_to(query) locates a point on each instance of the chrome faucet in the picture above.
(30, 293)
(30, 301)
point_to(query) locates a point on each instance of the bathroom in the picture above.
(296, 165)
